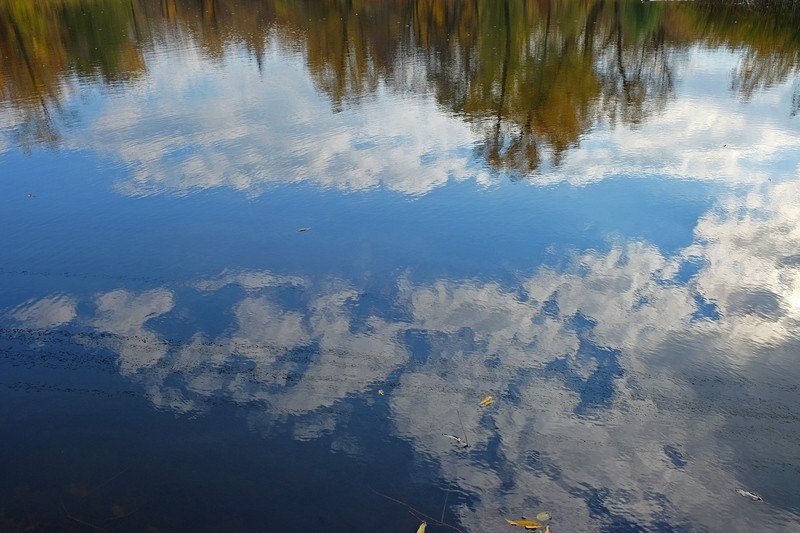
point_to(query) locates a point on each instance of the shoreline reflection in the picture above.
(363, 217)
(520, 86)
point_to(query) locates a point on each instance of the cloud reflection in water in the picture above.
(618, 393)
(236, 129)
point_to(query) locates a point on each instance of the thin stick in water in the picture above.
(417, 513)
(106, 482)
(462, 428)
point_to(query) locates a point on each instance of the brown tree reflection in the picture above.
(44, 42)
(532, 76)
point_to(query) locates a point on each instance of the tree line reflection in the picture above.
(531, 76)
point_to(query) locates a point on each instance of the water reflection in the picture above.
(531, 80)
(640, 377)
(631, 385)
(280, 134)
(123, 315)
(44, 313)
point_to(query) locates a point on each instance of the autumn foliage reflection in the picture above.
(532, 76)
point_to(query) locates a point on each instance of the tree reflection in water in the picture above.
(532, 76)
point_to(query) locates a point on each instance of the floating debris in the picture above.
(544, 516)
(380, 391)
(747, 494)
(486, 402)
(302, 230)
(422, 527)
(525, 523)
(462, 443)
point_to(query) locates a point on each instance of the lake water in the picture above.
(262, 260)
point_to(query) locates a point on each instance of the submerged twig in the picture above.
(417, 513)
(106, 482)
(444, 507)
(464, 431)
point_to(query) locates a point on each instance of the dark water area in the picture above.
(355, 265)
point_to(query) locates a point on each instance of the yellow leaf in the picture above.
(422, 527)
(527, 524)
(486, 401)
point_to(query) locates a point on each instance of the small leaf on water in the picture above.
(527, 524)
(486, 401)
(380, 391)
(422, 527)
(301, 230)
(544, 516)
(747, 494)
(461, 443)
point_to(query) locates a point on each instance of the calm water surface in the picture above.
(261, 261)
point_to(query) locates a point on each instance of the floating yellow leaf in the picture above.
(486, 401)
(422, 527)
(527, 524)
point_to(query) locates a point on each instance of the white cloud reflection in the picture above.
(124, 314)
(189, 127)
(44, 313)
(240, 130)
(622, 381)
(541, 453)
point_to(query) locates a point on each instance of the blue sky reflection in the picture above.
(633, 307)
(600, 369)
